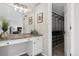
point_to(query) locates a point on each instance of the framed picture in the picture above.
(25, 16)
(30, 20)
(40, 17)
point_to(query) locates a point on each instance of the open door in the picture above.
(68, 28)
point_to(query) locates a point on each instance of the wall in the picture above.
(42, 28)
(75, 39)
(29, 27)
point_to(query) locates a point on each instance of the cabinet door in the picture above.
(37, 45)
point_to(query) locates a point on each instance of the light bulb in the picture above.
(20, 9)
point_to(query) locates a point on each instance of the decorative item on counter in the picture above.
(4, 27)
(34, 32)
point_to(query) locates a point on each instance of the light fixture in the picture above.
(22, 8)
(20, 5)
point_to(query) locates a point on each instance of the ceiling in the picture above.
(31, 6)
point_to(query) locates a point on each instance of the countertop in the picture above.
(16, 39)
(18, 36)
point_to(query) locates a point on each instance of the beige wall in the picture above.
(42, 28)
(26, 24)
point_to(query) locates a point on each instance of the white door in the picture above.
(68, 13)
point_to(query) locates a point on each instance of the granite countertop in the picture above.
(19, 36)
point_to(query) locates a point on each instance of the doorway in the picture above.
(58, 31)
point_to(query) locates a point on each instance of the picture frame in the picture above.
(25, 16)
(40, 17)
(30, 21)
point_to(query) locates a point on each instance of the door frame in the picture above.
(69, 18)
(67, 43)
(49, 29)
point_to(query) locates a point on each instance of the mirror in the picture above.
(19, 23)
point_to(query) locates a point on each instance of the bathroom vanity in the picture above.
(32, 45)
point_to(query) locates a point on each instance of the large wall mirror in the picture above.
(19, 22)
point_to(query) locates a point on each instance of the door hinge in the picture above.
(70, 27)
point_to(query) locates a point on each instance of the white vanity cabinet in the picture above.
(36, 46)
(32, 46)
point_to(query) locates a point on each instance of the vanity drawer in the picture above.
(3, 43)
(18, 41)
